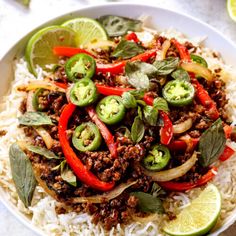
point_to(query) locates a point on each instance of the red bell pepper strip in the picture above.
(201, 93)
(73, 161)
(108, 90)
(148, 99)
(180, 145)
(227, 153)
(166, 132)
(206, 100)
(228, 130)
(70, 51)
(106, 134)
(132, 37)
(61, 85)
(183, 51)
(183, 186)
(118, 67)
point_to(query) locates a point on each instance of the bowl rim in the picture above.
(3, 197)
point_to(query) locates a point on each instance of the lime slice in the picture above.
(199, 217)
(88, 30)
(39, 50)
(231, 7)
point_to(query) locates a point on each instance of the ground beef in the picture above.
(3, 133)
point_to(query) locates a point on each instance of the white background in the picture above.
(16, 20)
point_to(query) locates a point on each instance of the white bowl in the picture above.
(160, 18)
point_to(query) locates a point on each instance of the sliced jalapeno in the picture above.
(87, 137)
(199, 60)
(38, 97)
(111, 110)
(83, 93)
(157, 158)
(178, 92)
(80, 66)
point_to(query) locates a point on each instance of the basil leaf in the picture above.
(212, 143)
(22, 174)
(137, 130)
(150, 115)
(129, 100)
(180, 74)
(35, 119)
(118, 26)
(148, 202)
(67, 174)
(157, 190)
(166, 66)
(127, 49)
(138, 73)
(126, 131)
(138, 94)
(140, 113)
(160, 104)
(42, 151)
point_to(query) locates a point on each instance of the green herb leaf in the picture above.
(212, 143)
(66, 173)
(118, 26)
(138, 74)
(148, 202)
(137, 130)
(138, 94)
(140, 113)
(150, 115)
(22, 174)
(166, 66)
(35, 119)
(160, 104)
(157, 190)
(42, 151)
(127, 49)
(126, 131)
(180, 74)
(129, 100)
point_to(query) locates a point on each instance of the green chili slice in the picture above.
(87, 137)
(83, 93)
(178, 92)
(111, 110)
(157, 158)
(38, 97)
(199, 60)
(80, 66)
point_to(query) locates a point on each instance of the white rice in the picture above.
(42, 212)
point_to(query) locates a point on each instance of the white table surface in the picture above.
(16, 20)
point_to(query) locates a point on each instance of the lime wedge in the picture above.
(199, 217)
(231, 7)
(39, 50)
(88, 30)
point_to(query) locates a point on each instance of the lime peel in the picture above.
(39, 50)
(199, 217)
(231, 7)
(87, 30)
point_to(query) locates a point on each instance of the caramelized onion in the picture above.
(101, 44)
(48, 140)
(29, 101)
(197, 69)
(145, 219)
(165, 47)
(33, 85)
(104, 197)
(183, 126)
(167, 175)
